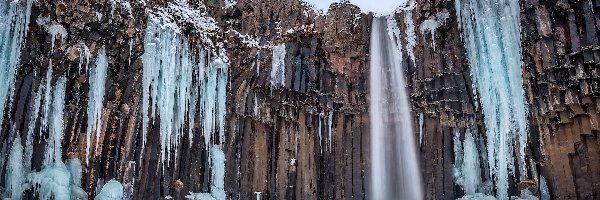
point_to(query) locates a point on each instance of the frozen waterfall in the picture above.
(14, 17)
(394, 166)
(491, 35)
(184, 85)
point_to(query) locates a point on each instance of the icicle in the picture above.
(319, 133)
(466, 165)
(544, 192)
(47, 98)
(84, 55)
(96, 97)
(421, 121)
(15, 174)
(278, 66)
(55, 128)
(167, 79)
(168, 88)
(217, 187)
(113, 190)
(329, 128)
(130, 50)
(492, 39)
(430, 25)
(411, 38)
(56, 30)
(13, 29)
(31, 127)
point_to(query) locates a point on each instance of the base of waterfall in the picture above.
(525, 195)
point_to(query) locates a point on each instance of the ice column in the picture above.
(55, 128)
(491, 35)
(14, 18)
(96, 96)
(467, 170)
(15, 174)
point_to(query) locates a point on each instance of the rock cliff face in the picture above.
(562, 76)
(306, 137)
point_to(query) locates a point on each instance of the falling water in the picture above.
(394, 167)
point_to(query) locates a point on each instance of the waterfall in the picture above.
(394, 168)
(491, 36)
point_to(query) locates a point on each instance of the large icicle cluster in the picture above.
(96, 96)
(184, 85)
(491, 35)
(14, 20)
(167, 81)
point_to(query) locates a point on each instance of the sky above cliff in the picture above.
(376, 6)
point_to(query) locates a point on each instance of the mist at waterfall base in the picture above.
(394, 168)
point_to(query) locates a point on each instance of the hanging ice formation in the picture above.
(467, 171)
(96, 96)
(55, 128)
(57, 180)
(177, 80)
(167, 82)
(491, 35)
(394, 170)
(15, 181)
(278, 66)
(14, 18)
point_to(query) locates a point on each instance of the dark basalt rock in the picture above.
(272, 133)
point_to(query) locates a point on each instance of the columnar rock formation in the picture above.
(304, 134)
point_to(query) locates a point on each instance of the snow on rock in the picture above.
(183, 13)
(430, 25)
(411, 38)
(113, 190)
(230, 3)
